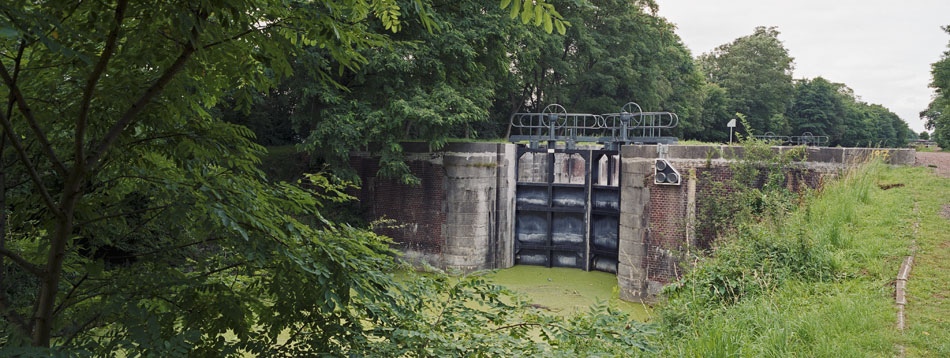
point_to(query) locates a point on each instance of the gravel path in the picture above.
(939, 159)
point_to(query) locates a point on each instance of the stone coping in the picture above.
(838, 155)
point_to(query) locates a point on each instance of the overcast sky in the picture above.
(881, 49)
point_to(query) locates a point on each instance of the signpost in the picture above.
(731, 125)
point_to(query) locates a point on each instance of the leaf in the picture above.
(538, 16)
(528, 12)
(505, 3)
(548, 27)
(515, 8)
(560, 26)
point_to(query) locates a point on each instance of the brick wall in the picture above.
(416, 209)
(667, 230)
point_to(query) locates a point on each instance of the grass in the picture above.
(866, 231)
(928, 289)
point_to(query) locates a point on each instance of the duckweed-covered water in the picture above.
(566, 290)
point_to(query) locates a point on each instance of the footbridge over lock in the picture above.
(625, 208)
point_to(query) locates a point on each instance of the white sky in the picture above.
(881, 49)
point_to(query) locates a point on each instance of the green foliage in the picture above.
(937, 113)
(756, 189)
(469, 316)
(756, 72)
(466, 79)
(752, 75)
(817, 108)
(824, 108)
(806, 284)
(135, 222)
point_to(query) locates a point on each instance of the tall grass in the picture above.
(812, 282)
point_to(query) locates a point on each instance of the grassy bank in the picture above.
(928, 290)
(819, 281)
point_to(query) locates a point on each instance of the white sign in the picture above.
(732, 123)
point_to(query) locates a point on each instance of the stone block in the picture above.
(473, 147)
(474, 169)
(654, 289)
(631, 221)
(476, 204)
(632, 193)
(638, 151)
(464, 219)
(637, 166)
(634, 250)
(903, 157)
(692, 152)
(630, 289)
(630, 271)
(732, 152)
(826, 155)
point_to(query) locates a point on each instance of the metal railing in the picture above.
(806, 139)
(554, 124)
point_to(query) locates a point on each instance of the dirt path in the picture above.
(940, 161)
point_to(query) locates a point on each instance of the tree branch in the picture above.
(133, 212)
(81, 328)
(31, 120)
(143, 140)
(16, 74)
(97, 71)
(137, 107)
(34, 269)
(30, 168)
(527, 324)
(62, 304)
(240, 35)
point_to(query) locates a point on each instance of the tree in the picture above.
(715, 115)
(937, 114)
(132, 218)
(614, 53)
(924, 135)
(756, 72)
(467, 79)
(427, 86)
(109, 140)
(817, 108)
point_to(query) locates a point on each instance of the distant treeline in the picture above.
(479, 65)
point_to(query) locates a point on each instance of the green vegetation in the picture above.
(819, 282)
(937, 113)
(466, 79)
(756, 189)
(133, 219)
(756, 73)
(135, 216)
(928, 307)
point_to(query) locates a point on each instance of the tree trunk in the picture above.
(49, 287)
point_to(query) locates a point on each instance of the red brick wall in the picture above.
(667, 234)
(416, 209)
